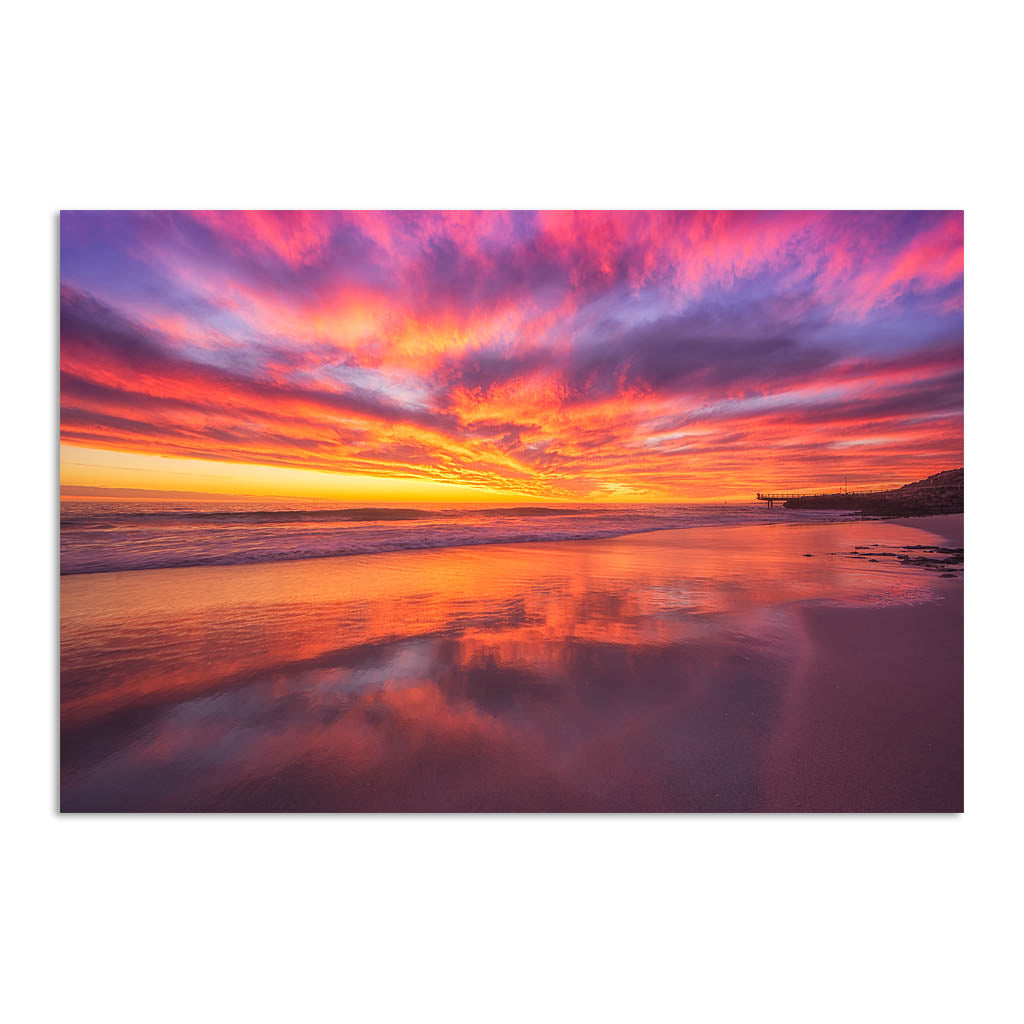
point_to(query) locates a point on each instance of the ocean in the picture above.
(123, 535)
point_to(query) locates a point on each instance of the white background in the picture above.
(825, 918)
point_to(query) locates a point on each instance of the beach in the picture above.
(788, 667)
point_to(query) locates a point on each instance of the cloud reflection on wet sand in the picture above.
(705, 669)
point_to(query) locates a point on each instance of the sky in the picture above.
(559, 356)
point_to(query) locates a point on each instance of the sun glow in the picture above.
(96, 473)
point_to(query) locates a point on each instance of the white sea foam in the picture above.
(110, 537)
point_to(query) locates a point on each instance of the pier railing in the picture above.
(786, 495)
(775, 496)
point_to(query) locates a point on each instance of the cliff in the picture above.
(939, 493)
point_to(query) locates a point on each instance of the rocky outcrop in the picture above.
(936, 494)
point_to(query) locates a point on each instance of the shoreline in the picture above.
(841, 518)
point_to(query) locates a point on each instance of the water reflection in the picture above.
(657, 672)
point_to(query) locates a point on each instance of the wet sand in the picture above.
(723, 669)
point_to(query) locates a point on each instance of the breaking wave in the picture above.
(112, 537)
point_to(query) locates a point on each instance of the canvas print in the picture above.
(531, 511)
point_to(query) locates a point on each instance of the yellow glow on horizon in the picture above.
(98, 467)
(170, 477)
(113, 471)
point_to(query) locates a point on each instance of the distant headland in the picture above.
(938, 494)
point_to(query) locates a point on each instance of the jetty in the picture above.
(827, 495)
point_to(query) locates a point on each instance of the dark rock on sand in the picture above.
(930, 557)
